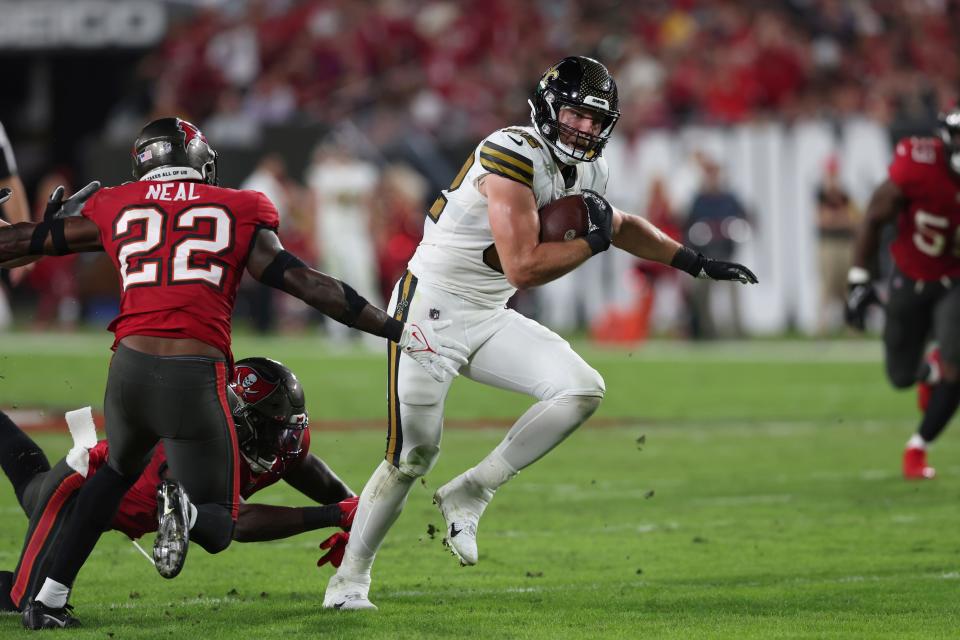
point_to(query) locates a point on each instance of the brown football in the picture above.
(563, 219)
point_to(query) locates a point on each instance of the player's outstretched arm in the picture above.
(61, 232)
(637, 236)
(262, 522)
(885, 205)
(313, 478)
(273, 265)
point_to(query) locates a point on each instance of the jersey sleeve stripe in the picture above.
(506, 172)
(511, 157)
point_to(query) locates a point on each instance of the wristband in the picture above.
(392, 329)
(597, 243)
(355, 304)
(686, 259)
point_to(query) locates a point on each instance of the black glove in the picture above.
(699, 266)
(600, 223)
(860, 295)
(5, 194)
(57, 207)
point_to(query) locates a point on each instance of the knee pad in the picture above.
(419, 460)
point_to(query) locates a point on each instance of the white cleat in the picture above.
(348, 594)
(462, 503)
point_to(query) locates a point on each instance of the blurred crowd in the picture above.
(460, 68)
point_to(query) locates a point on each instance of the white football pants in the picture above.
(507, 351)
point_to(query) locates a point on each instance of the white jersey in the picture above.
(457, 232)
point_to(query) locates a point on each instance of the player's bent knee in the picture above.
(586, 383)
(419, 460)
(214, 528)
(901, 378)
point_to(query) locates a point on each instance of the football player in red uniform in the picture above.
(180, 245)
(271, 421)
(922, 196)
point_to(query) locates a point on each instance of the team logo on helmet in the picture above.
(250, 386)
(190, 131)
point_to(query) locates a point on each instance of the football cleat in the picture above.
(37, 615)
(348, 593)
(925, 388)
(173, 532)
(461, 503)
(915, 464)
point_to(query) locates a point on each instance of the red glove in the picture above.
(348, 509)
(337, 544)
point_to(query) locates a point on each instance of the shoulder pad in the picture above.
(510, 155)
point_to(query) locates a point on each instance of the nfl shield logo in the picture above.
(434, 314)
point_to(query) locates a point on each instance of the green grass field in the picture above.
(764, 502)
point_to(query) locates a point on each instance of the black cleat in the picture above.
(173, 532)
(37, 615)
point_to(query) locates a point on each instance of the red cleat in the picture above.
(925, 388)
(915, 465)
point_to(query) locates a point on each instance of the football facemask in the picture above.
(585, 86)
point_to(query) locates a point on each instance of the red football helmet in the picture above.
(269, 411)
(173, 149)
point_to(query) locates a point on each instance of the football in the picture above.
(563, 219)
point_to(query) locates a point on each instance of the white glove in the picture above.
(435, 353)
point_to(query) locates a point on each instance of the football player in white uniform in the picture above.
(480, 244)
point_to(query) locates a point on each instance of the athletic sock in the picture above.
(380, 504)
(492, 472)
(916, 441)
(53, 594)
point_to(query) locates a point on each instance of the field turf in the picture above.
(746, 490)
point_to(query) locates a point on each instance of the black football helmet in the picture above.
(584, 84)
(269, 411)
(173, 149)
(948, 128)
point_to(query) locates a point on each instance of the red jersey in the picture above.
(137, 514)
(180, 249)
(927, 246)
